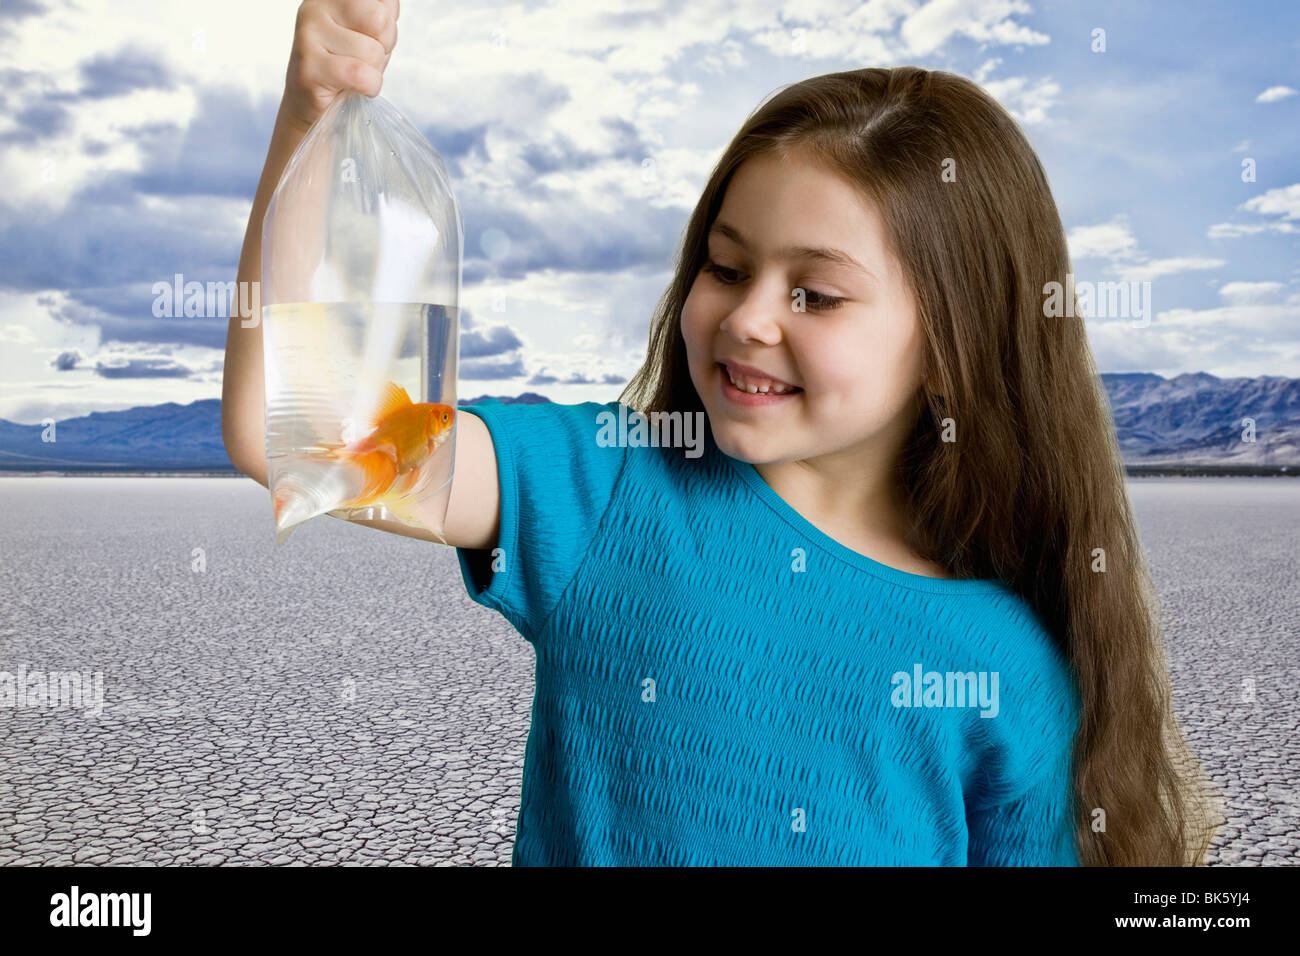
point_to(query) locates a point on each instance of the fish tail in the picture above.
(379, 471)
(279, 500)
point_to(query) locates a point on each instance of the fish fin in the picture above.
(379, 469)
(279, 499)
(403, 509)
(394, 398)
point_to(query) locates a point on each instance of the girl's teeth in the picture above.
(764, 389)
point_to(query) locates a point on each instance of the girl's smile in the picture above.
(800, 290)
(746, 385)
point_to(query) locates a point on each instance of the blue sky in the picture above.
(132, 136)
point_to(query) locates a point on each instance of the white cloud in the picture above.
(985, 21)
(46, 175)
(1275, 93)
(1114, 241)
(1106, 240)
(1154, 268)
(588, 364)
(1226, 341)
(878, 31)
(1232, 230)
(1028, 101)
(1268, 322)
(985, 69)
(1283, 201)
(16, 334)
(1240, 293)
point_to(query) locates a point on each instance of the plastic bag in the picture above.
(361, 268)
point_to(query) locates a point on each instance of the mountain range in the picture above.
(1190, 420)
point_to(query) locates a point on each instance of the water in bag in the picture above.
(361, 251)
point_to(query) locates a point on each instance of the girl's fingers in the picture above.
(341, 41)
(374, 18)
(350, 73)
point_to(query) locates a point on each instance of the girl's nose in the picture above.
(758, 317)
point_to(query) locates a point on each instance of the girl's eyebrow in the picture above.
(817, 254)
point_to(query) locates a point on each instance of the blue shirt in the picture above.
(718, 682)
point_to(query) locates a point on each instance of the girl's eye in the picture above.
(823, 303)
(717, 270)
(816, 300)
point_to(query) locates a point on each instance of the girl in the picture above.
(896, 613)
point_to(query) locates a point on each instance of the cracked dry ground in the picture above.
(341, 700)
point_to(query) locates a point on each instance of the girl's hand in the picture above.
(337, 45)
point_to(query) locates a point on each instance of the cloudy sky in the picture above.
(578, 136)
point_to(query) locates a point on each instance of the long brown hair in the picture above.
(1033, 491)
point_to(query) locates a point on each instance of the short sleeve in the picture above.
(1018, 789)
(1035, 829)
(556, 478)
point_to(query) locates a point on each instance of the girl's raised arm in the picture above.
(337, 45)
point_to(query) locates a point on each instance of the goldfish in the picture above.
(404, 435)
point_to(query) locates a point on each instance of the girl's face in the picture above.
(854, 352)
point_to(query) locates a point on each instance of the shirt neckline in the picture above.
(917, 582)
